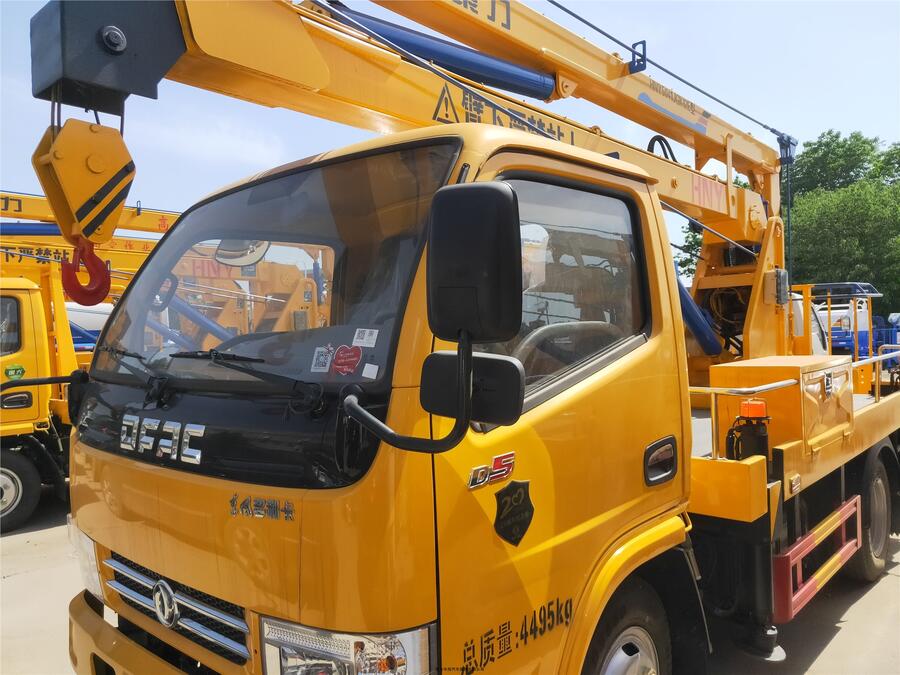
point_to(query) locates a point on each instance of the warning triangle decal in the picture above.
(445, 111)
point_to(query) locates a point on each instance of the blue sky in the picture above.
(803, 67)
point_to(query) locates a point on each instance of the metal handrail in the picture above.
(879, 359)
(743, 391)
(715, 392)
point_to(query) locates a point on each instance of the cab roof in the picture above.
(484, 139)
(17, 284)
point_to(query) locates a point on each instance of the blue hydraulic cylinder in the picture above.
(181, 340)
(29, 230)
(698, 324)
(461, 60)
(206, 324)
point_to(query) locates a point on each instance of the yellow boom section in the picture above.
(514, 31)
(23, 206)
(316, 65)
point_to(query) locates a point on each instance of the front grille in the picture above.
(215, 624)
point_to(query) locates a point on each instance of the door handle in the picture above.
(661, 461)
(16, 401)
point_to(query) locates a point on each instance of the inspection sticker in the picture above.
(346, 359)
(15, 372)
(370, 371)
(365, 337)
(321, 361)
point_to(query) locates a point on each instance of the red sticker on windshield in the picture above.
(346, 359)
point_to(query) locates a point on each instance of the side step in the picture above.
(792, 591)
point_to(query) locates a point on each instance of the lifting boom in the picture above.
(307, 58)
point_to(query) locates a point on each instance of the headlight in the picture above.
(87, 559)
(290, 649)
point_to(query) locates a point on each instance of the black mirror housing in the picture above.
(498, 387)
(475, 263)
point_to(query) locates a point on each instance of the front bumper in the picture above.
(91, 638)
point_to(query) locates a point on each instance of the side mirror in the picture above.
(474, 296)
(475, 263)
(498, 387)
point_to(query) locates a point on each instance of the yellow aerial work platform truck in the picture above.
(499, 449)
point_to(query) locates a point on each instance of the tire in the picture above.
(632, 635)
(20, 486)
(868, 562)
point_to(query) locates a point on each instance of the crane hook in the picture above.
(97, 287)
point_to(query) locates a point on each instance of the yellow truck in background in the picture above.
(37, 341)
(509, 440)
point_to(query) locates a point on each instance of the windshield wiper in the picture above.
(156, 382)
(216, 356)
(311, 392)
(147, 370)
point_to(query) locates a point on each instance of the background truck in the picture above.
(44, 335)
(36, 343)
(451, 469)
(848, 307)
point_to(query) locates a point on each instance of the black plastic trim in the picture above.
(648, 453)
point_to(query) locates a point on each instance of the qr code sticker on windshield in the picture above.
(321, 361)
(365, 337)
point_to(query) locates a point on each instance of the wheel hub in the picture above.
(632, 653)
(878, 509)
(10, 491)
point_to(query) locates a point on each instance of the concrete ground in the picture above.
(848, 629)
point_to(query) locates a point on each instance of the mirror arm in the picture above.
(36, 382)
(464, 403)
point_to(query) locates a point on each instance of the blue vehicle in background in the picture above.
(846, 307)
(86, 324)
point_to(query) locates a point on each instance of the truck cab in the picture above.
(34, 426)
(240, 482)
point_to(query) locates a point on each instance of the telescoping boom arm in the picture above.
(295, 56)
(317, 59)
(514, 31)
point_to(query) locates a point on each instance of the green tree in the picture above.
(832, 161)
(687, 253)
(851, 234)
(886, 167)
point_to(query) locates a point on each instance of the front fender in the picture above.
(627, 554)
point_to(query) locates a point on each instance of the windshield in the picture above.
(301, 277)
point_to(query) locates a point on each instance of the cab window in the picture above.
(583, 290)
(10, 336)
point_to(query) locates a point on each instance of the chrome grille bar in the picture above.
(134, 596)
(188, 624)
(134, 575)
(211, 612)
(213, 636)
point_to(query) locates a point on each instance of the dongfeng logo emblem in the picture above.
(164, 602)
(171, 439)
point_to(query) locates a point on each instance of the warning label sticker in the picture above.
(455, 104)
(445, 111)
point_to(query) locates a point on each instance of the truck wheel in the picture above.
(20, 490)
(868, 562)
(632, 636)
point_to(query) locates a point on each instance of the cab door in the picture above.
(19, 358)
(525, 513)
